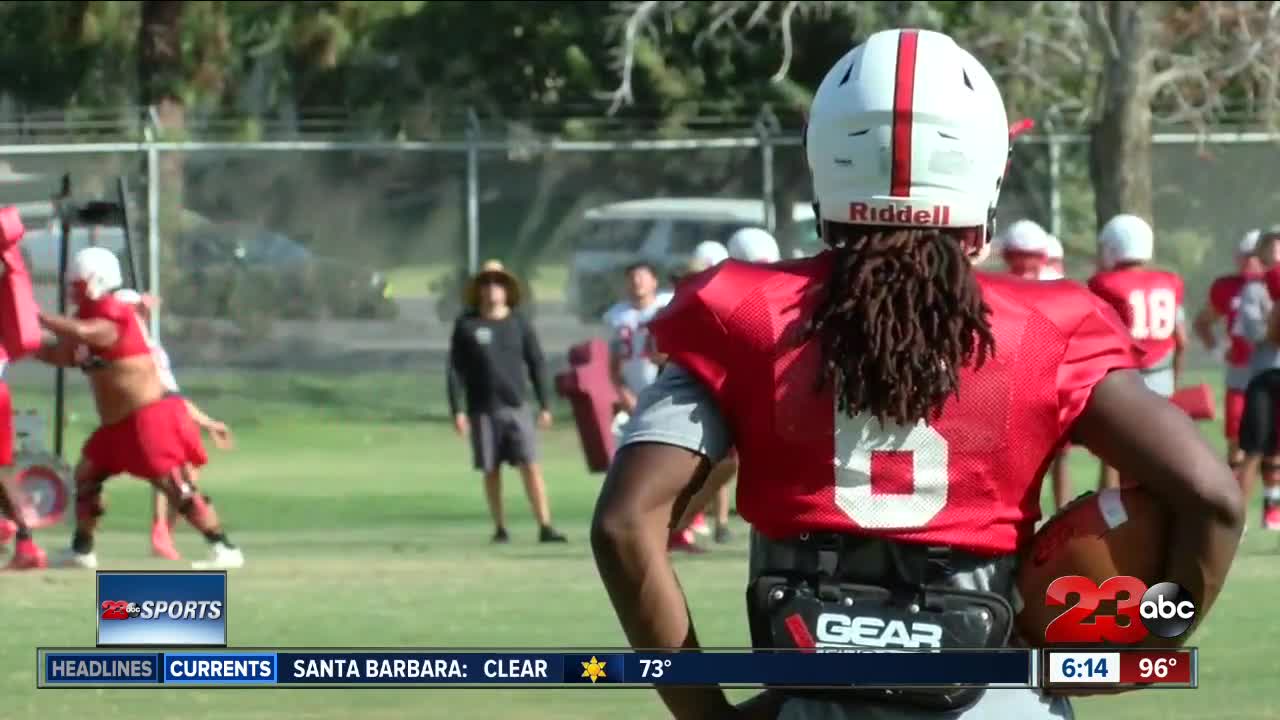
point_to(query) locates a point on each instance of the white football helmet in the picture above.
(99, 268)
(709, 254)
(908, 129)
(1054, 254)
(1025, 236)
(752, 244)
(1249, 242)
(1125, 238)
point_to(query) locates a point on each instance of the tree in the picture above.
(1117, 67)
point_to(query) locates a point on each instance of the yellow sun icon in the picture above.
(593, 669)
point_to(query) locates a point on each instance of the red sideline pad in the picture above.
(19, 323)
(1196, 401)
(590, 391)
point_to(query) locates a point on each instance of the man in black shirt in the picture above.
(493, 356)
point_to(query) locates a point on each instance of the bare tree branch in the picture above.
(639, 17)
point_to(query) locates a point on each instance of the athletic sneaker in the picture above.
(72, 559)
(162, 542)
(699, 525)
(1271, 516)
(723, 535)
(501, 537)
(221, 557)
(27, 556)
(684, 542)
(549, 534)
(8, 529)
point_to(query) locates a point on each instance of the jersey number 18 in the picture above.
(1154, 314)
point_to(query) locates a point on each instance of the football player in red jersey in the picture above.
(1028, 252)
(893, 409)
(1149, 300)
(1223, 306)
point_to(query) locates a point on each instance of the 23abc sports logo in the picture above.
(1165, 610)
(161, 609)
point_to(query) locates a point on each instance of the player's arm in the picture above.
(664, 460)
(56, 351)
(1203, 325)
(1149, 440)
(220, 432)
(95, 332)
(1179, 345)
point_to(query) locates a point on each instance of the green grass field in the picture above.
(363, 526)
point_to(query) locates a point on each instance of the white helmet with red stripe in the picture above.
(909, 129)
(99, 269)
(1125, 238)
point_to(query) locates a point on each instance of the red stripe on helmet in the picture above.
(904, 90)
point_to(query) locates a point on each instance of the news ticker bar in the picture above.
(405, 668)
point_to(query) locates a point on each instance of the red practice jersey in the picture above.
(1224, 298)
(1150, 303)
(970, 480)
(132, 340)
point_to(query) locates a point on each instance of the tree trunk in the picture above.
(1120, 147)
(160, 80)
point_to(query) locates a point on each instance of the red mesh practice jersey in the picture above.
(131, 339)
(970, 479)
(1224, 298)
(1149, 302)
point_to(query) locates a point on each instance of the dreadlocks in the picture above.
(902, 314)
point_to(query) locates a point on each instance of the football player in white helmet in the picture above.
(752, 244)
(939, 391)
(145, 430)
(1024, 247)
(1149, 301)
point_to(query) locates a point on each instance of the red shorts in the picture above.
(6, 426)
(1234, 410)
(155, 440)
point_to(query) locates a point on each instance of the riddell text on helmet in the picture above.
(895, 214)
(1165, 609)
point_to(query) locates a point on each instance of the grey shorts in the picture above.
(503, 435)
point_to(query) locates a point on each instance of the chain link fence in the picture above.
(350, 257)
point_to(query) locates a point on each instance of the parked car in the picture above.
(664, 232)
(228, 269)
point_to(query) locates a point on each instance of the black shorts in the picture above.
(503, 435)
(1258, 422)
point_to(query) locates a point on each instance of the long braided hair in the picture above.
(902, 314)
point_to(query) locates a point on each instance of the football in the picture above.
(1098, 535)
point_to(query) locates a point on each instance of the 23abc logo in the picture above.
(1165, 609)
(120, 610)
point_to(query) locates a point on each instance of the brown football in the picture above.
(1098, 535)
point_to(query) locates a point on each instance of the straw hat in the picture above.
(492, 269)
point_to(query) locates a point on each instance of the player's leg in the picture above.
(719, 479)
(519, 446)
(484, 454)
(27, 555)
(1271, 492)
(14, 519)
(1257, 427)
(90, 506)
(162, 526)
(181, 488)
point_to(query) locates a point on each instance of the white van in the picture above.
(663, 232)
(41, 243)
